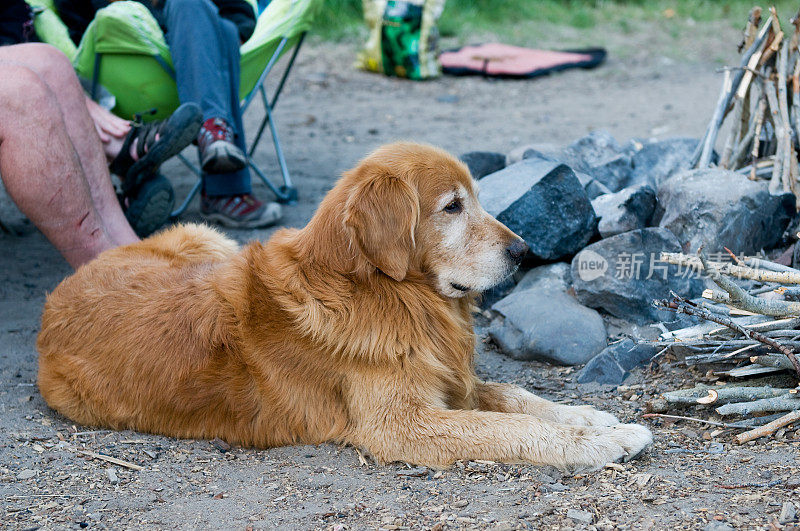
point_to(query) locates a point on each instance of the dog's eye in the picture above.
(453, 207)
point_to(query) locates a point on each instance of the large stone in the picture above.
(628, 209)
(593, 187)
(544, 203)
(623, 275)
(547, 325)
(593, 149)
(659, 160)
(721, 208)
(603, 369)
(556, 276)
(482, 163)
(613, 172)
(530, 151)
(611, 366)
(495, 293)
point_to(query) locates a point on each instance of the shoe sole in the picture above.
(219, 158)
(249, 224)
(185, 124)
(152, 207)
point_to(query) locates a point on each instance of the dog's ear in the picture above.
(382, 215)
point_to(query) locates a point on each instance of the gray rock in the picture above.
(593, 187)
(491, 296)
(722, 208)
(611, 366)
(628, 209)
(540, 150)
(603, 369)
(557, 277)
(717, 526)
(26, 473)
(593, 149)
(482, 163)
(657, 161)
(613, 172)
(544, 203)
(547, 325)
(622, 275)
(580, 516)
(788, 513)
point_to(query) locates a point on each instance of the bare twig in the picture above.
(110, 459)
(684, 306)
(769, 429)
(693, 419)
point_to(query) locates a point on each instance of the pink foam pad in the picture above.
(503, 59)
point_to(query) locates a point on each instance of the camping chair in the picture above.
(124, 50)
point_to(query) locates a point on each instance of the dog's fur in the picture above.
(355, 329)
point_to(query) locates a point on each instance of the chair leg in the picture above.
(286, 193)
(193, 192)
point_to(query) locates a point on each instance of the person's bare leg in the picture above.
(42, 172)
(56, 71)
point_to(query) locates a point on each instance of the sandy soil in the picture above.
(330, 116)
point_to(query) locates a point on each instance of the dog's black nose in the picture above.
(517, 250)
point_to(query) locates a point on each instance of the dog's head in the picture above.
(414, 208)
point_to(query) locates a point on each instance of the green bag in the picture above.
(403, 38)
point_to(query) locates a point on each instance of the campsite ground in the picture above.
(330, 116)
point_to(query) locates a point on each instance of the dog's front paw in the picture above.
(599, 445)
(633, 438)
(586, 416)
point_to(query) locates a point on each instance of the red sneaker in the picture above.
(239, 211)
(218, 153)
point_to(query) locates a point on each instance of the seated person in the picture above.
(54, 165)
(206, 74)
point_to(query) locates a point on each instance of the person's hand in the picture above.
(107, 125)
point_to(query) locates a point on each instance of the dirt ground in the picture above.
(330, 116)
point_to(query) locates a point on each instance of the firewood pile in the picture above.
(748, 333)
(761, 100)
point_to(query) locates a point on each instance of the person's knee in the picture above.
(51, 64)
(190, 8)
(22, 90)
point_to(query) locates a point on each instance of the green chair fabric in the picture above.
(50, 29)
(134, 61)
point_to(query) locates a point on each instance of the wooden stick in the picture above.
(758, 263)
(750, 273)
(785, 140)
(774, 111)
(751, 29)
(733, 136)
(772, 360)
(769, 429)
(726, 395)
(684, 306)
(741, 299)
(693, 419)
(778, 403)
(702, 154)
(762, 112)
(110, 459)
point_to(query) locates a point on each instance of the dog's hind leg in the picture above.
(509, 398)
(183, 244)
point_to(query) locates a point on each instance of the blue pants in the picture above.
(205, 53)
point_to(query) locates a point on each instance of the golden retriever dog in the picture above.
(355, 329)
